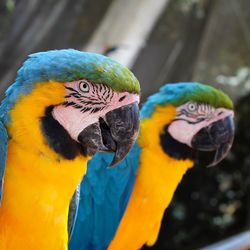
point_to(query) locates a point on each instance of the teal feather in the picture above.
(104, 194)
(3, 153)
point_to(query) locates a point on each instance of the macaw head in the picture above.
(79, 102)
(192, 119)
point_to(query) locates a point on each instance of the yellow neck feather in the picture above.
(157, 178)
(38, 183)
(154, 160)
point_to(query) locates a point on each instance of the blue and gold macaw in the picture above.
(64, 106)
(122, 208)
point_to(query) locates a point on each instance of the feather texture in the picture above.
(36, 175)
(104, 195)
(107, 206)
(64, 66)
(3, 153)
(177, 94)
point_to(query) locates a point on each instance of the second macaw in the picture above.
(64, 106)
(122, 208)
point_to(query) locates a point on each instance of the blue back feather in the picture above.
(3, 153)
(104, 194)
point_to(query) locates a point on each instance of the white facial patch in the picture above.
(192, 117)
(86, 102)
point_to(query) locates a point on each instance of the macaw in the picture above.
(64, 106)
(122, 208)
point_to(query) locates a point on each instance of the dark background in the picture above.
(191, 40)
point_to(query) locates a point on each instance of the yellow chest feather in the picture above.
(38, 183)
(157, 178)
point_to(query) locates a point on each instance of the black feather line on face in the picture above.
(112, 95)
(182, 112)
(98, 95)
(122, 98)
(95, 88)
(85, 109)
(93, 103)
(76, 95)
(72, 95)
(108, 95)
(67, 104)
(77, 106)
(105, 91)
(94, 110)
(100, 86)
(190, 122)
(71, 89)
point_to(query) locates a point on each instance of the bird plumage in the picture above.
(127, 203)
(104, 195)
(66, 66)
(45, 159)
(176, 94)
(3, 153)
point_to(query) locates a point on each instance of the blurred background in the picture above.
(161, 41)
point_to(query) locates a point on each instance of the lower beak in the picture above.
(217, 137)
(115, 132)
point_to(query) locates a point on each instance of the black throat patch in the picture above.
(175, 149)
(58, 138)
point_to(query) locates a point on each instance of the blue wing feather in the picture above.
(3, 153)
(104, 194)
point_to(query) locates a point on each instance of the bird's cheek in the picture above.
(73, 120)
(183, 131)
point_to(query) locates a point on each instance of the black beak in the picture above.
(217, 137)
(115, 132)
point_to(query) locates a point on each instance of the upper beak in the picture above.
(115, 132)
(217, 137)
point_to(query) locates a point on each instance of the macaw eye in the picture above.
(192, 107)
(84, 86)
